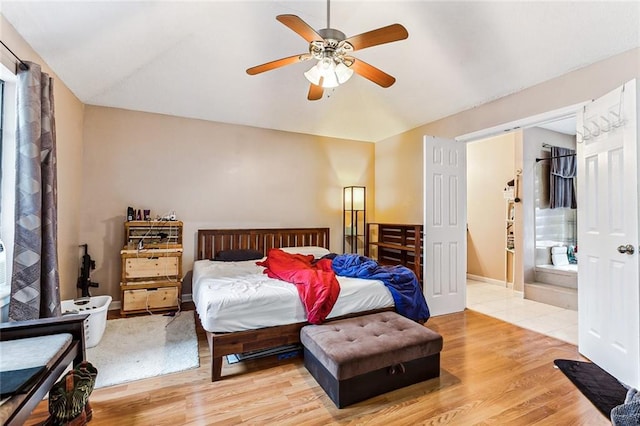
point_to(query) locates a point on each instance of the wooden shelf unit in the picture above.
(151, 278)
(509, 240)
(396, 244)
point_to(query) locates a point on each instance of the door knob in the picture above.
(626, 249)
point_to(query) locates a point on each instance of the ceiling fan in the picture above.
(332, 49)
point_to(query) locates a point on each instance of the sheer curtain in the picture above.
(35, 284)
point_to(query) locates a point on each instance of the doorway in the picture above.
(554, 279)
(492, 163)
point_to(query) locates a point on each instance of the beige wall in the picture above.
(399, 174)
(69, 116)
(490, 165)
(399, 180)
(213, 175)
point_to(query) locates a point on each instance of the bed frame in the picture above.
(211, 241)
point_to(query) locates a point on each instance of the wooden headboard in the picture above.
(211, 241)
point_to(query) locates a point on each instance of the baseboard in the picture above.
(501, 283)
(493, 281)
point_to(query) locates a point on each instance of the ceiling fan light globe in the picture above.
(324, 71)
(330, 80)
(313, 75)
(343, 73)
(326, 65)
(327, 69)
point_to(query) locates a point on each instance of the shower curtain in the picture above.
(563, 171)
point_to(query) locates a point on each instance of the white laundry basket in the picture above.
(96, 307)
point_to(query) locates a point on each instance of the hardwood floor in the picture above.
(492, 372)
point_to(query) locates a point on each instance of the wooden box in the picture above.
(156, 264)
(162, 296)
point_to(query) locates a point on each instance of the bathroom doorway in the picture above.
(552, 278)
(543, 229)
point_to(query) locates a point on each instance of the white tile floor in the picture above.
(507, 305)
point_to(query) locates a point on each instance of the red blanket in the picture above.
(316, 283)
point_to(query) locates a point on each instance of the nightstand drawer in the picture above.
(136, 300)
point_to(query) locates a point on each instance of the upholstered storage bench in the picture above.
(358, 358)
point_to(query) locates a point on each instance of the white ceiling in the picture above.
(188, 58)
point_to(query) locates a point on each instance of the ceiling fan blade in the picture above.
(278, 63)
(382, 35)
(315, 92)
(300, 27)
(372, 73)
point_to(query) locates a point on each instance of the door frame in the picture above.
(523, 123)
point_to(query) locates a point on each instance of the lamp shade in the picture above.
(358, 198)
(354, 219)
(354, 198)
(327, 74)
(343, 73)
(348, 198)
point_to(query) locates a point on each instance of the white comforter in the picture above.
(236, 296)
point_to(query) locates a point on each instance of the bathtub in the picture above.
(559, 276)
(96, 307)
(570, 268)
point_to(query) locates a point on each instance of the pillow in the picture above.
(316, 252)
(238, 255)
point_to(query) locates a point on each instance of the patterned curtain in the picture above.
(563, 171)
(35, 284)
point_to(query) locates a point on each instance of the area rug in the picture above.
(601, 388)
(146, 346)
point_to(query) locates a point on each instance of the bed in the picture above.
(233, 324)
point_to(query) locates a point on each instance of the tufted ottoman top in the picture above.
(358, 345)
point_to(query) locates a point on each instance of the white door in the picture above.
(608, 286)
(445, 217)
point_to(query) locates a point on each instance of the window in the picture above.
(8, 126)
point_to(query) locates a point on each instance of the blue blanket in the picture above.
(400, 280)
